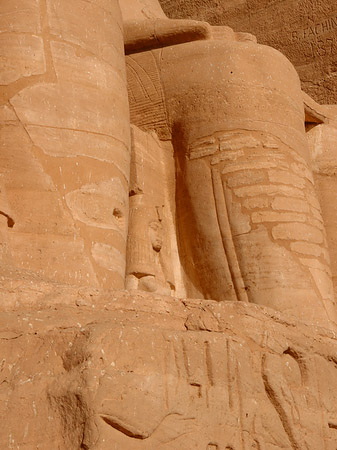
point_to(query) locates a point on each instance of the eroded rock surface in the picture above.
(305, 31)
(65, 141)
(134, 370)
(182, 162)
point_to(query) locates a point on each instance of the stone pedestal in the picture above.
(117, 370)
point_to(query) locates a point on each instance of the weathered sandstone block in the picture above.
(182, 162)
(66, 145)
(143, 371)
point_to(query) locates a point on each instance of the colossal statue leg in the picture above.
(65, 141)
(237, 115)
(250, 223)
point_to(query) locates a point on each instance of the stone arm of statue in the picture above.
(314, 112)
(147, 34)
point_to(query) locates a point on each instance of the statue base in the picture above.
(92, 369)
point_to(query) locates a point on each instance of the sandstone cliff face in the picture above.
(136, 371)
(305, 31)
(219, 185)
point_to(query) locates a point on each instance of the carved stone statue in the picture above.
(146, 269)
(250, 226)
(149, 264)
(210, 194)
(241, 218)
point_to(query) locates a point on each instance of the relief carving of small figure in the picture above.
(148, 266)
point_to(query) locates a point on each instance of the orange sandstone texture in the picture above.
(65, 141)
(193, 172)
(305, 31)
(235, 114)
(322, 140)
(108, 370)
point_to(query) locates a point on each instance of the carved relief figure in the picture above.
(149, 264)
(146, 262)
(250, 226)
